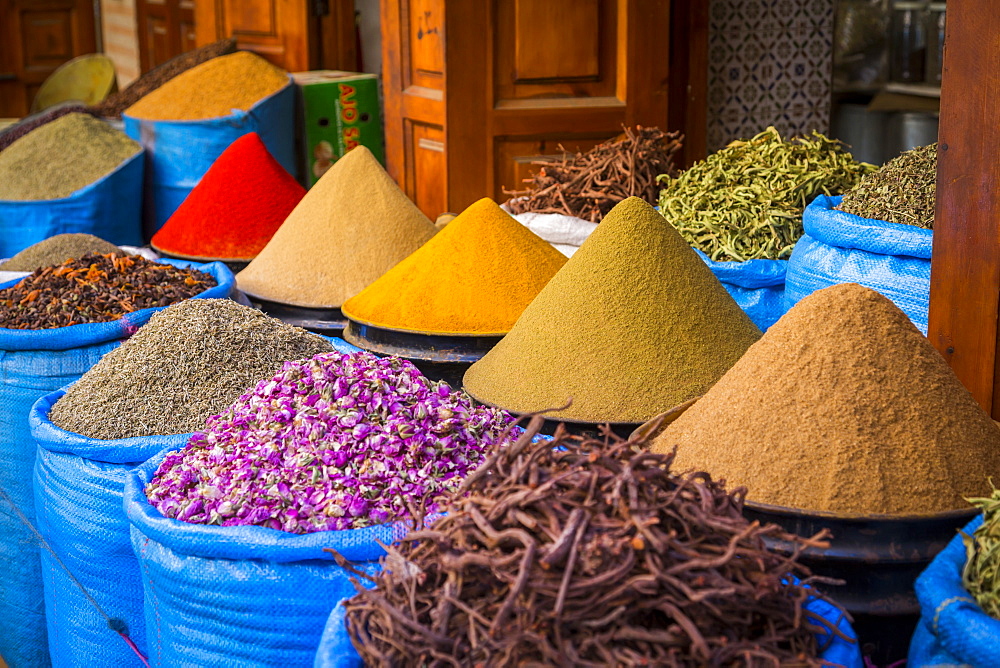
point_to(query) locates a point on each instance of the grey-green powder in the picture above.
(62, 157)
(56, 250)
(189, 362)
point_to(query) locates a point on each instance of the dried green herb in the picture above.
(745, 201)
(901, 191)
(981, 575)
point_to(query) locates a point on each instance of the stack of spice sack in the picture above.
(54, 325)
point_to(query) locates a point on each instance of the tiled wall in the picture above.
(121, 40)
(770, 62)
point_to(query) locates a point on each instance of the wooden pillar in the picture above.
(965, 273)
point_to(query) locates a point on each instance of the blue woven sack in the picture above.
(336, 650)
(840, 247)
(758, 286)
(178, 153)
(34, 363)
(110, 208)
(953, 630)
(79, 485)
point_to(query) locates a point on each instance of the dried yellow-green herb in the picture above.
(981, 575)
(745, 201)
(901, 191)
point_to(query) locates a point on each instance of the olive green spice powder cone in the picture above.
(634, 324)
(354, 225)
(843, 406)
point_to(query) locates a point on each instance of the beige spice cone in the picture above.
(843, 406)
(352, 226)
(634, 324)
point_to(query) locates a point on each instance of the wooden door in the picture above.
(166, 30)
(474, 91)
(36, 37)
(298, 35)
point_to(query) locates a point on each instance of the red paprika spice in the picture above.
(236, 207)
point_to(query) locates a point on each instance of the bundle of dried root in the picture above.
(587, 185)
(588, 551)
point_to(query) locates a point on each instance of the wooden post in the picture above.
(965, 273)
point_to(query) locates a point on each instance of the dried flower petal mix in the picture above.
(333, 442)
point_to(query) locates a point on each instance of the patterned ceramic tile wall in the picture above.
(769, 63)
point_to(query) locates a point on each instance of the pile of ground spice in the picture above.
(61, 157)
(476, 276)
(901, 191)
(843, 406)
(96, 288)
(23, 127)
(354, 225)
(56, 250)
(118, 102)
(634, 324)
(188, 363)
(235, 209)
(212, 89)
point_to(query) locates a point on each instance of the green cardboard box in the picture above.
(340, 110)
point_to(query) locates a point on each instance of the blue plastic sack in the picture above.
(34, 363)
(758, 286)
(336, 651)
(840, 247)
(79, 484)
(78, 503)
(110, 208)
(953, 630)
(178, 153)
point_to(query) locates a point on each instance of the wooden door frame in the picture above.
(965, 270)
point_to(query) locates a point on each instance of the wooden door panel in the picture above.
(156, 35)
(423, 48)
(426, 168)
(187, 33)
(571, 51)
(555, 49)
(279, 30)
(36, 37)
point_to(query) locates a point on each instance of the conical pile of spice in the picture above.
(212, 89)
(56, 250)
(586, 552)
(188, 363)
(354, 225)
(746, 201)
(843, 406)
(61, 157)
(634, 324)
(901, 191)
(235, 209)
(476, 276)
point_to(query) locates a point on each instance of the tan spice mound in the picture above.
(212, 89)
(476, 276)
(354, 225)
(634, 324)
(843, 406)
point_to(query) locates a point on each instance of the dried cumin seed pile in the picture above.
(56, 250)
(189, 362)
(842, 406)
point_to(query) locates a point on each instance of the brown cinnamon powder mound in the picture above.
(842, 406)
